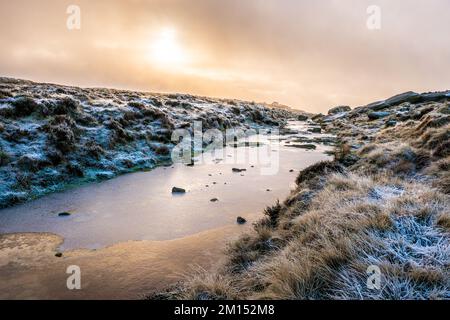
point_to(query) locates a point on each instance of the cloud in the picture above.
(307, 54)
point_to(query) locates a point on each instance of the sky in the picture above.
(311, 55)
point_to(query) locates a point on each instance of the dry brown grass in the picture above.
(440, 170)
(327, 247)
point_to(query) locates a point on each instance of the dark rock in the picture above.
(339, 109)
(315, 130)
(238, 170)
(178, 190)
(375, 106)
(434, 96)
(241, 220)
(302, 117)
(303, 146)
(411, 97)
(64, 214)
(391, 123)
(378, 115)
(214, 200)
(58, 255)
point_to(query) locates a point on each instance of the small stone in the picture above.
(307, 146)
(391, 123)
(178, 190)
(238, 170)
(240, 220)
(64, 214)
(58, 255)
(268, 190)
(315, 130)
(292, 170)
(214, 200)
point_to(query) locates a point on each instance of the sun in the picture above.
(165, 49)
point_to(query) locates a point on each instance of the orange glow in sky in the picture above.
(311, 55)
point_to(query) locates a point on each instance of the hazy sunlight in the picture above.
(165, 49)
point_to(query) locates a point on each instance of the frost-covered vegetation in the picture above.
(384, 201)
(55, 136)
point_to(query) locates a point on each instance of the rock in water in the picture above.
(178, 190)
(240, 220)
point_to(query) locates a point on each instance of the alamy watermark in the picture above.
(232, 146)
(73, 21)
(374, 18)
(74, 280)
(374, 277)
